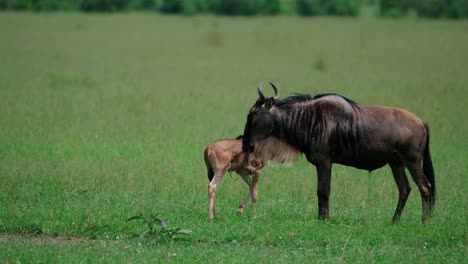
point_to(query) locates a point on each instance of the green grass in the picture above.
(105, 116)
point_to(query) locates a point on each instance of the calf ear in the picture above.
(269, 103)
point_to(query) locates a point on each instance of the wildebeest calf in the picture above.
(227, 155)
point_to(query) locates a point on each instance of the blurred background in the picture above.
(106, 107)
(391, 8)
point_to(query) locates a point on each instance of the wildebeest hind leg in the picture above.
(404, 188)
(424, 188)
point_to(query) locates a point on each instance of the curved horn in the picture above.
(260, 92)
(277, 95)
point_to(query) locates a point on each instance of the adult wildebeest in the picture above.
(330, 128)
(227, 155)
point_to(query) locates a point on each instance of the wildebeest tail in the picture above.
(428, 169)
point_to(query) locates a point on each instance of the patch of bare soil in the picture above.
(41, 239)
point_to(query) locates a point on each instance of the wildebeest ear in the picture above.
(269, 103)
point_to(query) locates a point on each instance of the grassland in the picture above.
(105, 116)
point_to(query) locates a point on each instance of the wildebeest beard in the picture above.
(276, 152)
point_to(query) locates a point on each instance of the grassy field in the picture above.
(106, 116)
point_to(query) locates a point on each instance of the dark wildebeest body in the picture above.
(227, 155)
(330, 128)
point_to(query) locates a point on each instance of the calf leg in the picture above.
(248, 179)
(323, 190)
(255, 177)
(218, 175)
(404, 188)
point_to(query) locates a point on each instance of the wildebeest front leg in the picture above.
(323, 189)
(248, 179)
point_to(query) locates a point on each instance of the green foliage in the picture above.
(164, 233)
(394, 8)
(341, 7)
(425, 8)
(186, 7)
(309, 7)
(272, 7)
(102, 5)
(144, 4)
(238, 7)
(443, 8)
(328, 7)
(83, 5)
(390, 8)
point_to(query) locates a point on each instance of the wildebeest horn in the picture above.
(260, 92)
(276, 91)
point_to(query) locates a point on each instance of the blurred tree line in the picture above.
(393, 8)
(425, 8)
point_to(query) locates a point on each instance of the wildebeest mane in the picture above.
(296, 98)
(307, 124)
(300, 98)
(318, 96)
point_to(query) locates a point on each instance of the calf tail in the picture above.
(210, 173)
(208, 164)
(428, 169)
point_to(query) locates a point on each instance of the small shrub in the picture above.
(163, 233)
(319, 64)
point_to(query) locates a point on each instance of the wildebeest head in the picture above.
(260, 120)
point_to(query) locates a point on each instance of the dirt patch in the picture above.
(42, 239)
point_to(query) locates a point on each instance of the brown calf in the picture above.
(227, 155)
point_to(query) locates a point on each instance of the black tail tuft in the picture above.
(428, 169)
